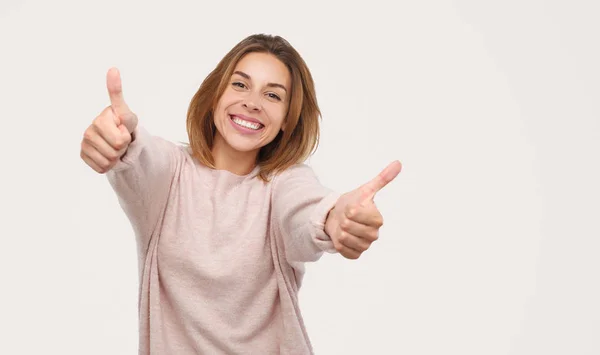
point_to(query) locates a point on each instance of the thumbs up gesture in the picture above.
(108, 137)
(353, 224)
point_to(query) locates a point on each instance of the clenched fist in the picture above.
(107, 138)
(353, 224)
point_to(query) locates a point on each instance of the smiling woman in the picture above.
(225, 225)
(263, 80)
(251, 111)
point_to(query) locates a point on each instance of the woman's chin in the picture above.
(243, 145)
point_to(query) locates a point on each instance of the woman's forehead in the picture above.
(263, 67)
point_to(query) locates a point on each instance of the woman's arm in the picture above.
(142, 180)
(312, 219)
(300, 208)
(140, 167)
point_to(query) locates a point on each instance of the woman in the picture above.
(225, 224)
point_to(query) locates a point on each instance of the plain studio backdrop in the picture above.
(491, 239)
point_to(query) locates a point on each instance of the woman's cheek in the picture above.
(281, 117)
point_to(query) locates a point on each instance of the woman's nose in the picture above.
(252, 102)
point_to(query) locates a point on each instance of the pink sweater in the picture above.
(220, 255)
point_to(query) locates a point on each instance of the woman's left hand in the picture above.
(353, 224)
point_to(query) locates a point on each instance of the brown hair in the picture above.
(301, 126)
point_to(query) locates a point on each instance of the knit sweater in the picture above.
(220, 256)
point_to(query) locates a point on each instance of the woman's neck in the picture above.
(227, 158)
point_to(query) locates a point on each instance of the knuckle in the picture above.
(97, 123)
(85, 150)
(94, 166)
(121, 142)
(345, 223)
(343, 237)
(106, 165)
(105, 111)
(338, 247)
(88, 135)
(367, 190)
(350, 210)
(112, 156)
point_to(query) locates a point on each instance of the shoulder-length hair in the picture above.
(300, 135)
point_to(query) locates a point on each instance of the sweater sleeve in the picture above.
(300, 207)
(142, 180)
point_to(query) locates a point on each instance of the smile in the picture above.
(246, 124)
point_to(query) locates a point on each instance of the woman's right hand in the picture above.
(106, 140)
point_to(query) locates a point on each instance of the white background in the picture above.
(491, 240)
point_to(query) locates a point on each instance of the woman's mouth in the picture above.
(242, 123)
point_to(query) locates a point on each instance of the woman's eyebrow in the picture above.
(247, 77)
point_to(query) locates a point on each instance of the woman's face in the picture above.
(251, 111)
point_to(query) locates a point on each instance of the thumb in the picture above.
(117, 102)
(388, 174)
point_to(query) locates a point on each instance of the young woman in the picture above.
(224, 225)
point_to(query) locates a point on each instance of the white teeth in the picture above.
(251, 125)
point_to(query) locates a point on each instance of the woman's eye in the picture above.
(238, 84)
(274, 96)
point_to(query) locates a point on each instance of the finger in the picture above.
(116, 136)
(363, 231)
(367, 215)
(100, 160)
(91, 162)
(348, 253)
(115, 92)
(381, 180)
(101, 145)
(353, 242)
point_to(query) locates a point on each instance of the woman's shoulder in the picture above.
(295, 173)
